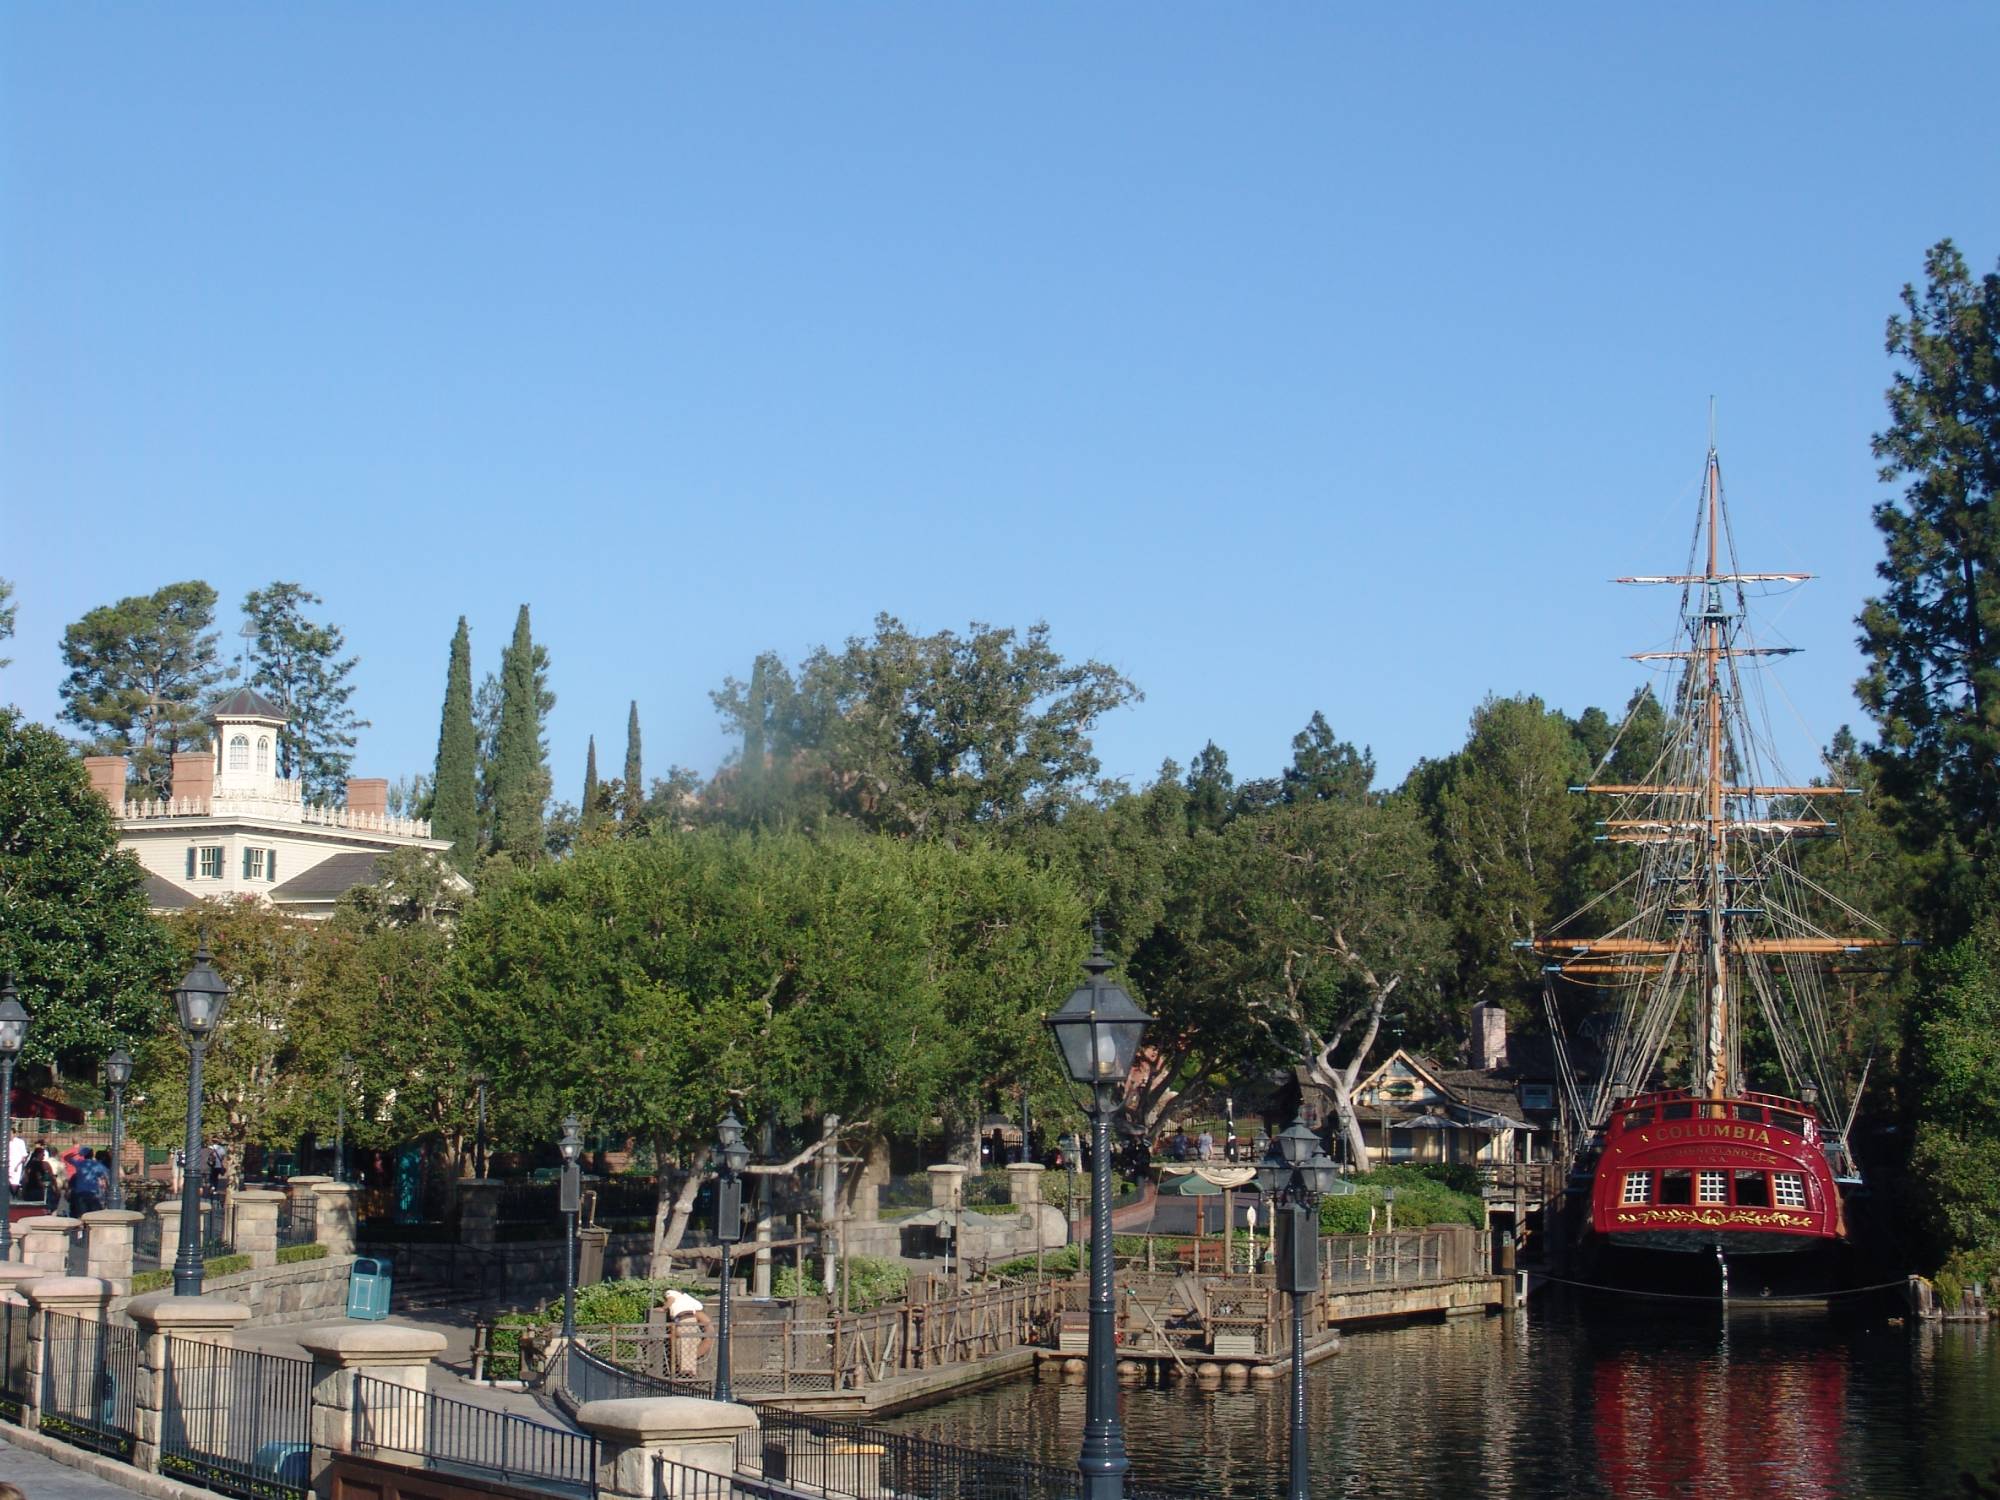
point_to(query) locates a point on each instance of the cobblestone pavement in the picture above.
(45, 1479)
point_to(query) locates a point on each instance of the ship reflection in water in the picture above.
(1679, 1423)
(1625, 1402)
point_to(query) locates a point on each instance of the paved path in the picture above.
(45, 1479)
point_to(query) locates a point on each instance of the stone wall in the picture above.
(307, 1291)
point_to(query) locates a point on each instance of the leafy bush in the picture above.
(791, 1282)
(1421, 1200)
(872, 1281)
(1459, 1176)
(291, 1255)
(225, 1265)
(503, 1361)
(1964, 1270)
(152, 1281)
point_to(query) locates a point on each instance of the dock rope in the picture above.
(1737, 1301)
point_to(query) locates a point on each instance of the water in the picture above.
(1563, 1400)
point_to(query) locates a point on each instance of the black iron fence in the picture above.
(672, 1481)
(589, 1377)
(146, 1243)
(298, 1223)
(218, 1230)
(14, 1321)
(90, 1372)
(237, 1421)
(458, 1438)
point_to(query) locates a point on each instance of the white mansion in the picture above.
(234, 828)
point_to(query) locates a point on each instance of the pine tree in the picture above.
(635, 787)
(454, 790)
(297, 664)
(520, 770)
(592, 815)
(140, 675)
(6, 617)
(1933, 637)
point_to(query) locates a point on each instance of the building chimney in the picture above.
(1489, 1036)
(107, 777)
(368, 794)
(194, 776)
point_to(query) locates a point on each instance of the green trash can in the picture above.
(368, 1285)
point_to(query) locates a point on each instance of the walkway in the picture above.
(45, 1479)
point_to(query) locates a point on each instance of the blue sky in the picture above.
(1285, 357)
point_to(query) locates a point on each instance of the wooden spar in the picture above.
(1732, 825)
(1714, 577)
(1649, 947)
(1629, 790)
(1588, 966)
(1702, 655)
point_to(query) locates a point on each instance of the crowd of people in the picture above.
(76, 1182)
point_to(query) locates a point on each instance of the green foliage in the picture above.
(291, 1255)
(1955, 1159)
(7, 609)
(152, 1281)
(224, 1265)
(455, 789)
(634, 785)
(790, 1282)
(925, 736)
(594, 809)
(1421, 1200)
(297, 664)
(92, 967)
(872, 1281)
(140, 674)
(520, 777)
(1933, 635)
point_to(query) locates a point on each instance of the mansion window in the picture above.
(206, 862)
(254, 864)
(263, 754)
(239, 753)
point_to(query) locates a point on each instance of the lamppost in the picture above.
(118, 1073)
(571, 1147)
(340, 1119)
(479, 1081)
(1297, 1172)
(731, 1157)
(1098, 1031)
(1389, 1204)
(13, 1036)
(199, 1000)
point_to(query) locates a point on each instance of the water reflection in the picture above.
(1564, 1401)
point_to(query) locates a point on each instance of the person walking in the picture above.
(17, 1158)
(86, 1189)
(38, 1179)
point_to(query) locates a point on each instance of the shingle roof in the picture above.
(163, 895)
(247, 703)
(329, 878)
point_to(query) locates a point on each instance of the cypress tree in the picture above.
(752, 768)
(593, 816)
(454, 800)
(635, 793)
(520, 775)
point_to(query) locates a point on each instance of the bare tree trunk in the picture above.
(671, 1211)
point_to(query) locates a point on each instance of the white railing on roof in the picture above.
(276, 810)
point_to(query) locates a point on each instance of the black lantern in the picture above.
(13, 1037)
(1296, 1171)
(1099, 1031)
(118, 1073)
(199, 1000)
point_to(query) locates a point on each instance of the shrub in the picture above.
(152, 1281)
(872, 1281)
(291, 1255)
(1421, 1200)
(225, 1265)
(791, 1282)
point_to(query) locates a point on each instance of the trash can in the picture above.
(368, 1285)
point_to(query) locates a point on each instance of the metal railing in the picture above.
(456, 1437)
(237, 1421)
(1399, 1259)
(14, 1321)
(672, 1481)
(298, 1223)
(90, 1372)
(146, 1242)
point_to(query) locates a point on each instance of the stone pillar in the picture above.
(336, 1216)
(865, 1186)
(168, 1211)
(45, 1243)
(107, 1246)
(478, 1210)
(342, 1353)
(634, 1435)
(590, 1245)
(203, 1391)
(256, 1214)
(1024, 1182)
(947, 1186)
(63, 1296)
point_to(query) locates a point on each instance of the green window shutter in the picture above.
(271, 865)
(246, 864)
(190, 861)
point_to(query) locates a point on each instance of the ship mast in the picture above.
(1715, 1024)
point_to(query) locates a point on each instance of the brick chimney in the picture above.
(194, 775)
(1489, 1036)
(107, 777)
(368, 794)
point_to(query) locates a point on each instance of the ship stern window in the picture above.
(1682, 1111)
(1677, 1186)
(1780, 1120)
(1638, 1188)
(1789, 1188)
(1753, 1190)
(1712, 1187)
(1751, 1112)
(1634, 1118)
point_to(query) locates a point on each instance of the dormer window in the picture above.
(263, 755)
(239, 753)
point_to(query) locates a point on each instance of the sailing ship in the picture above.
(1722, 933)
